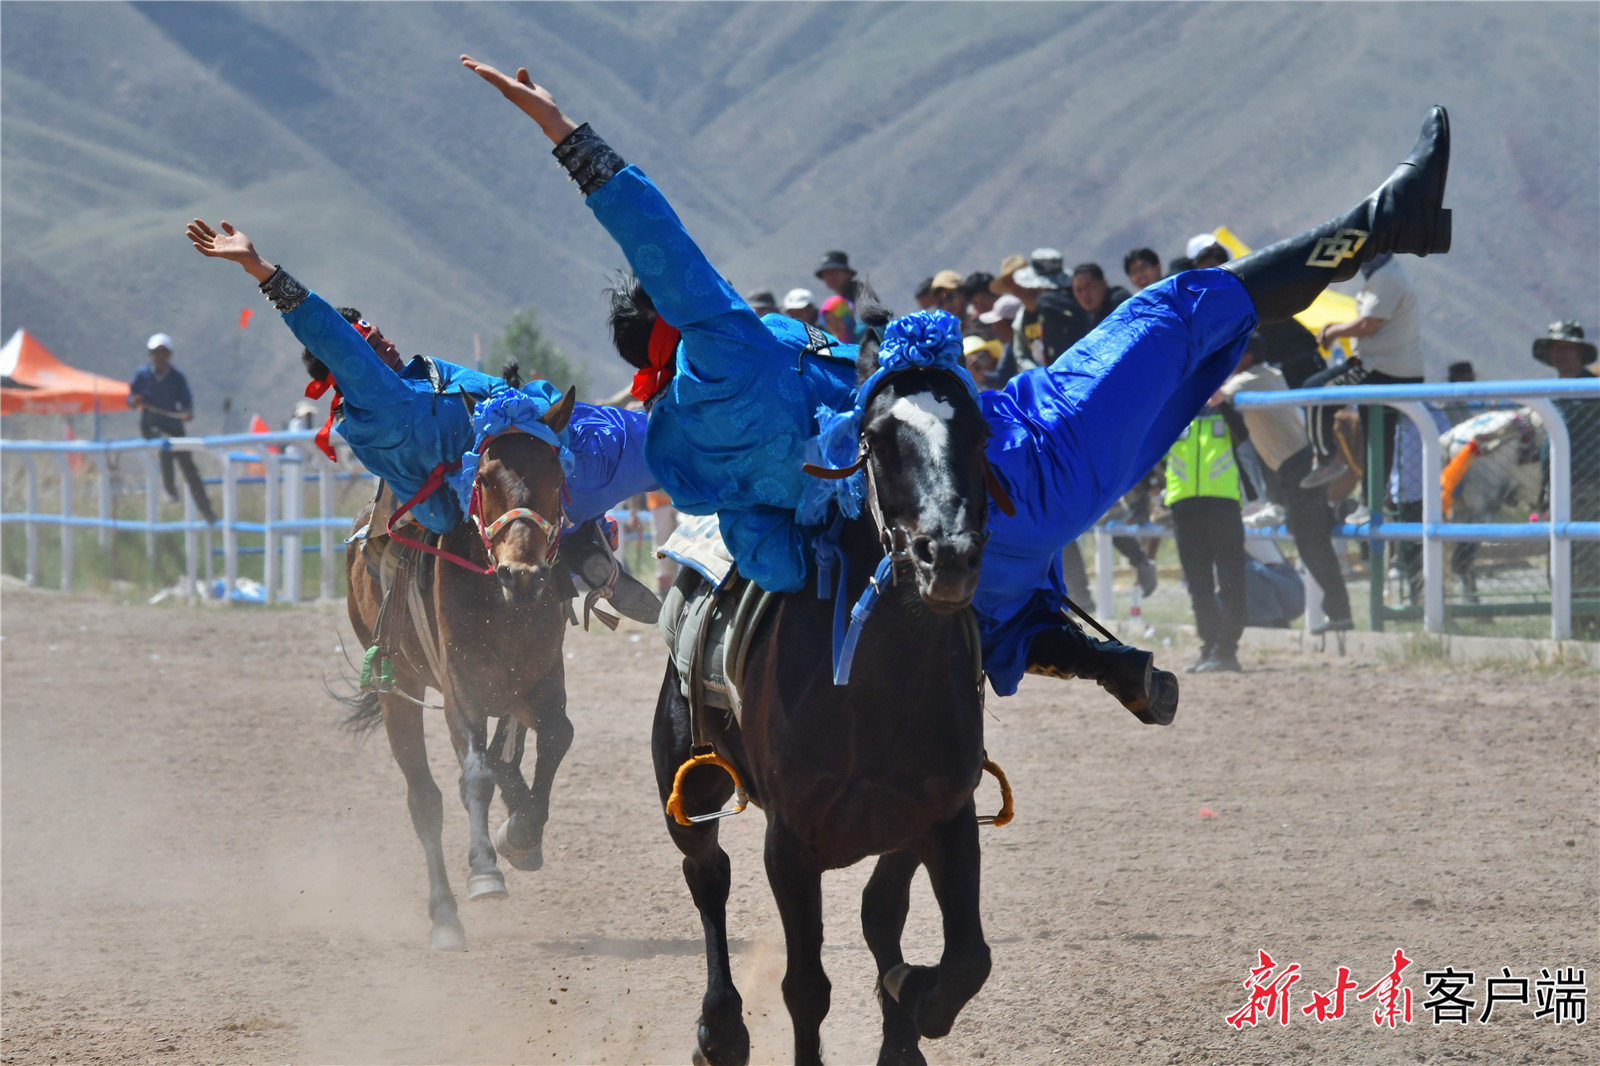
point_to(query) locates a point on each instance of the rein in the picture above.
(487, 531)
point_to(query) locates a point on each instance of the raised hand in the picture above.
(532, 100)
(229, 243)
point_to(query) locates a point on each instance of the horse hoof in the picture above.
(526, 859)
(487, 886)
(894, 982)
(448, 938)
(911, 986)
(901, 1056)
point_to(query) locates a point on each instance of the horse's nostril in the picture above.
(922, 550)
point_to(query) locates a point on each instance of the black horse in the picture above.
(885, 765)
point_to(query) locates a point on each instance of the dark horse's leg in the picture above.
(934, 995)
(402, 720)
(797, 886)
(884, 904)
(521, 838)
(721, 1036)
(471, 740)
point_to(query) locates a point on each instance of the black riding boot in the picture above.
(1128, 673)
(1405, 215)
(587, 553)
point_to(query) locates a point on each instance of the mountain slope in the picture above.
(345, 139)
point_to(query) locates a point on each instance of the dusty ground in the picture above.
(198, 866)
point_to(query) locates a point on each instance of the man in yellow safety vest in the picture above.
(1203, 495)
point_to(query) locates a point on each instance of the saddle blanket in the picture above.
(708, 616)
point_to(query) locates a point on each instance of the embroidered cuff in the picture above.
(283, 291)
(588, 159)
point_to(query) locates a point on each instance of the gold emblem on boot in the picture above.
(1331, 251)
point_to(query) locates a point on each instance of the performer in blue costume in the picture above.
(403, 420)
(1067, 439)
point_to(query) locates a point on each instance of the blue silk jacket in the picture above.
(400, 427)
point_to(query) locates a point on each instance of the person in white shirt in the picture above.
(1387, 337)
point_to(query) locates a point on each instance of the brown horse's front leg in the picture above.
(471, 739)
(521, 838)
(934, 995)
(402, 720)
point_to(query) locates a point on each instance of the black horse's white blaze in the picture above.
(924, 420)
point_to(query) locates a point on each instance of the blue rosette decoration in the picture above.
(922, 339)
(509, 409)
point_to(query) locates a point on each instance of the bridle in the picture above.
(487, 531)
(891, 537)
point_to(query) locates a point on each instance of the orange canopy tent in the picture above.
(38, 383)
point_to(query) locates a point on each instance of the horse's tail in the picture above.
(365, 707)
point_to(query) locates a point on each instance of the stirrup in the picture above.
(706, 757)
(1007, 812)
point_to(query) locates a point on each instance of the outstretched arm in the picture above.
(686, 289)
(228, 244)
(363, 377)
(532, 100)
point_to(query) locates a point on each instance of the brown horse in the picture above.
(885, 765)
(497, 638)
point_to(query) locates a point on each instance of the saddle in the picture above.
(708, 618)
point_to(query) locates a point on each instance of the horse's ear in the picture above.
(874, 316)
(471, 401)
(561, 413)
(867, 357)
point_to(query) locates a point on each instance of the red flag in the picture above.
(244, 317)
(259, 425)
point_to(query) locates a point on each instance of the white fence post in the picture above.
(324, 513)
(230, 534)
(103, 496)
(1560, 442)
(152, 503)
(1103, 576)
(191, 545)
(69, 532)
(30, 524)
(1432, 515)
(269, 536)
(293, 487)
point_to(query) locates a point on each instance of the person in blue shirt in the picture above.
(161, 393)
(732, 419)
(404, 419)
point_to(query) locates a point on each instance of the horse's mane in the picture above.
(511, 373)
